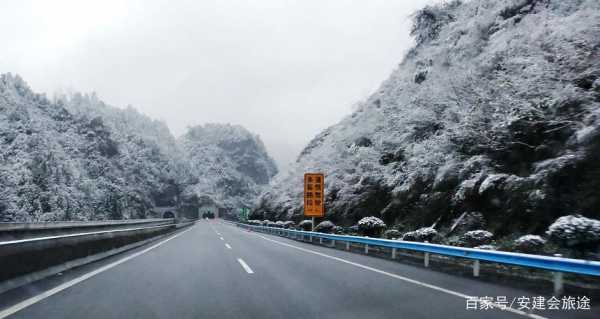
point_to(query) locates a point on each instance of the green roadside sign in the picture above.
(243, 214)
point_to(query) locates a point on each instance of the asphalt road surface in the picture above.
(216, 270)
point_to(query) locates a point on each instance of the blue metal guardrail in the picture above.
(556, 264)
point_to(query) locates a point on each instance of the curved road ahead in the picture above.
(215, 270)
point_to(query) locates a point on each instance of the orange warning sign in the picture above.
(314, 189)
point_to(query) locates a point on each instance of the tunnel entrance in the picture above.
(168, 215)
(208, 214)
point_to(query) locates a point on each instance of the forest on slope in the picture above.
(231, 164)
(492, 120)
(76, 158)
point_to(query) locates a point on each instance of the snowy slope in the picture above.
(225, 164)
(495, 109)
(76, 158)
(230, 163)
(55, 166)
(124, 122)
(140, 138)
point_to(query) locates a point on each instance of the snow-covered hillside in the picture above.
(76, 158)
(141, 139)
(55, 166)
(124, 122)
(496, 109)
(230, 163)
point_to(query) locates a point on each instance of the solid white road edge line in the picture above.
(245, 266)
(227, 245)
(28, 302)
(416, 282)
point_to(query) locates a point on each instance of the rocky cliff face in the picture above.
(231, 164)
(495, 110)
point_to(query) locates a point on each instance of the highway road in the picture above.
(216, 270)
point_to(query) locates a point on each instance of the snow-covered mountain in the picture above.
(76, 158)
(230, 163)
(496, 110)
(141, 140)
(55, 166)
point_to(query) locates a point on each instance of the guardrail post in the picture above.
(476, 268)
(321, 240)
(426, 257)
(366, 248)
(557, 278)
(311, 238)
(393, 253)
(348, 246)
(333, 243)
(558, 283)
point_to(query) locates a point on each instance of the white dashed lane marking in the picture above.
(245, 266)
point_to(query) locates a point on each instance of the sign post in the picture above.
(314, 189)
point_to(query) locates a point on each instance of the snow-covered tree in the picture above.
(476, 238)
(575, 230)
(422, 234)
(325, 227)
(529, 244)
(371, 226)
(306, 224)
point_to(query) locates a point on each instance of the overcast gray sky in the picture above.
(283, 69)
